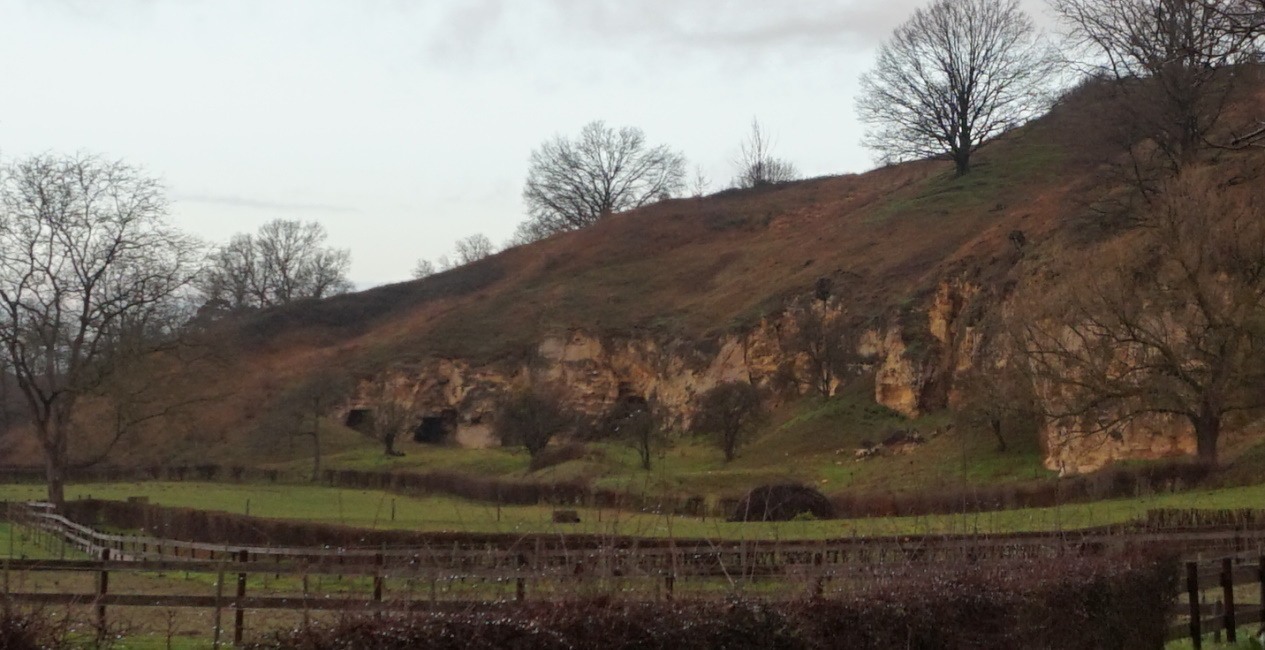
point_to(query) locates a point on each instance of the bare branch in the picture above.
(1173, 64)
(473, 248)
(955, 75)
(574, 183)
(285, 261)
(756, 163)
(1169, 321)
(90, 274)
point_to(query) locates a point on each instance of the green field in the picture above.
(810, 441)
(372, 509)
(1246, 642)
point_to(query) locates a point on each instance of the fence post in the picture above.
(239, 616)
(1218, 611)
(520, 584)
(819, 585)
(1260, 573)
(306, 618)
(1227, 589)
(8, 515)
(377, 577)
(1192, 592)
(219, 609)
(669, 584)
(103, 587)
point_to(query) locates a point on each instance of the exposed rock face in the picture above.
(593, 374)
(900, 379)
(1080, 444)
(1069, 451)
(917, 356)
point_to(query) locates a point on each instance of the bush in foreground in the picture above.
(1117, 604)
(40, 629)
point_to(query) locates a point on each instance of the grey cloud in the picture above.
(478, 27)
(688, 24)
(747, 24)
(261, 204)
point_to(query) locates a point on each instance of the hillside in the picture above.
(667, 300)
(699, 268)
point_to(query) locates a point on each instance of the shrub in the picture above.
(531, 418)
(730, 410)
(37, 630)
(1118, 603)
(434, 632)
(558, 454)
(782, 502)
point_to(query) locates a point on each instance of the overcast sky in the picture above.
(402, 125)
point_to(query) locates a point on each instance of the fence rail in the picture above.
(465, 551)
(1221, 576)
(536, 560)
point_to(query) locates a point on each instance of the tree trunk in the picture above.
(316, 449)
(995, 424)
(961, 163)
(730, 446)
(1207, 430)
(388, 441)
(55, 475)
(962, 146)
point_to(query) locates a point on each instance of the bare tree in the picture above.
(730, 410)
(473, 248)
(638, 423)
(393, 414)
(531, 418)
(821, 335)
(999, 399)
(757, 166)
(700, 184)
(424, 269)
(956, 74)
(1167, 325)
(527, 232)
(301, 409)
(89, 269)
(231, 279)
(285, 261)
(1247, 17)
(574, 183)
(1172, 63)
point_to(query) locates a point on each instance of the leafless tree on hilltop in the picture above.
(285, 261)
(757, 166)
(572, 184)
(953, 76)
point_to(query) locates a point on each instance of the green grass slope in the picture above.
(684, 270)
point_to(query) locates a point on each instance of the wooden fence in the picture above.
(584, 553)
(543, 566)
(1210, 588)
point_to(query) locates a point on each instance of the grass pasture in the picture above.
(811, 440)
(372, 509)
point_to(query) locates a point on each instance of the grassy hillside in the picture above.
(684, 269)
(697, 267)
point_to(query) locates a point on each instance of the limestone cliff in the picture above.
(915, 359)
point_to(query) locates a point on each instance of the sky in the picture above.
(403, 125)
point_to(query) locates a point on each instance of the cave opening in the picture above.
(431, 431)
(436, 429)
(359, 419)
